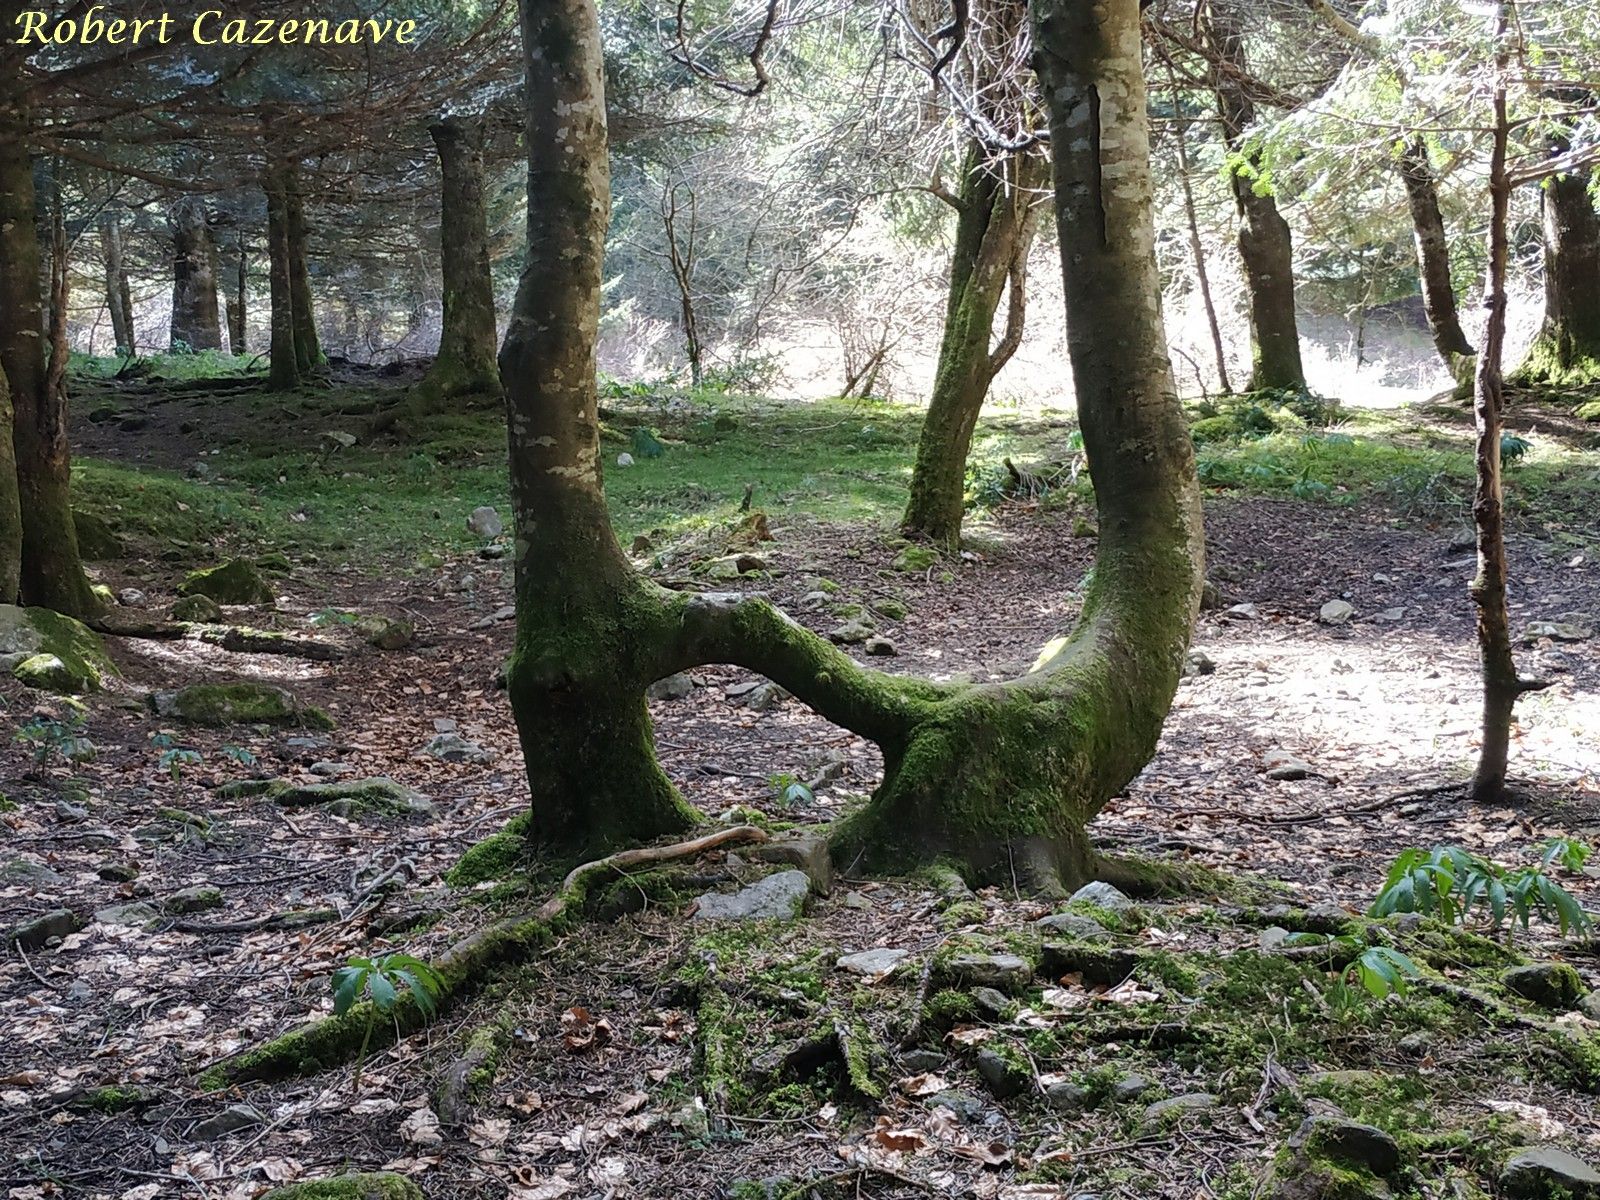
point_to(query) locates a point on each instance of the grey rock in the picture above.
(1589, 1006)
(230, 1120)
(673, 687)
(1283, 766)
(1391, 614)
(765, 696)
(1005, 972)
(880, 647)
(1416, 1044)
(1067, 1097)
(71, 813)
(386, 633)
(624, 459)
(1198, 662)
(1348, 1142)
(332, 770)
(1178, 1107)
(27, 873)
(778, 897)
(37, 932)
(498, 550)
(1545, 1173)
(132, 598)
(797, 848)
(118, 872)
(80, 992)
(485, 523)
(967, 1107)
(1336, 612)
(1550, 985)
(11, 661)
(1084, 929)
(1000, 1075)
(992, 1003)
(1273, 937)
(138, 914)
(917, 1062)
(1103, 895)
(1556, 631)
(851, 633)
(453, 748)
(873, 963)
(1130, 1087)
(1242, 612)
(199, 898)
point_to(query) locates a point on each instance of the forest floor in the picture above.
(737, 1059)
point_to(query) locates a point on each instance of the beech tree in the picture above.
(196, 319)
(1001, 777)
(996, 205)
(1567, 348)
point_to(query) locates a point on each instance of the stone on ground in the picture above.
(1347, 1142)
(874, 964)
(240, 703)
(234, 582)
(1178, 1107)
(1003, 1077)
(38, 633)
(1006, 972)
(27, 872)
(1549, 985)
(485, 522)
(1336, 612)
(1103, 895)
(673, 687)
(37, 932)
(1548, 1173)
(778, 897)
(453, 748)
(806, 851)
(386, 633)
(343, 797)
(202, 610)
(199, 898)
(1084, 929)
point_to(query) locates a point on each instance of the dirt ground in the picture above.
(1379, 709)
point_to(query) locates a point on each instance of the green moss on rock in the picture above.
(202, 609)
(235, 582)
(43, 634)
(495, 857)
(241, 703)
(380, 1185)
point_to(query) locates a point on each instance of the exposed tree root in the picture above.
(464, 968)
(469, 1076)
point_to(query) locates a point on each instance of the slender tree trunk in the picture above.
(10, 503)
(994, 232)
(1197, 250)
(1266, 246)
(469, 339)
(681, 261)
(238, 296)
(285, 369)
(1001, 776)
(307, 347)
(1433, 254)
(1500, 683)
(52, 571)
(119, 302)
(1567, 350)
(196, 322)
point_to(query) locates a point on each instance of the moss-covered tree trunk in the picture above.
(994, 232)
(1000, 777)
(469, 338)
(284, 372)
(52, 571)
(238, 294)
(119, 301)
(1567, 349)
(307, 345)
(587, 625)
(196, 320)
(1433, 254)
(1266, 245)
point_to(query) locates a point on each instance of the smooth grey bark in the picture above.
(196, 319)
(119, 301)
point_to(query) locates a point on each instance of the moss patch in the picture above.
(241, 703)
(235, 582)
(496, 857)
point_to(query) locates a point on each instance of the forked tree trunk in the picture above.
(1500, 683)
(307, 346)
(994, 232)
(1567, 350)
(1001, 777)
(1266, 246)
(119, 302)
(1433, 255)
(284, 372)
(52, 571)
(469, 339)
(196, 321)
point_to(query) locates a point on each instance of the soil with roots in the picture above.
(647, 1052)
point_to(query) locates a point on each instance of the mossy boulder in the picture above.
(379, 1185)
(97, 541)
(386, 633)
(241, 703)
(1549, 985)
(343, 797)
(235, 582)
(200, 609)
(63, 655)
(916, 558)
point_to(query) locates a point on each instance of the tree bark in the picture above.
(994, 233)
(237, 301)
(1433, 255)
(1001, 777)
(1500, 683)
(1567, 350)
(119, 301)
(10, 503)
(307, 346)
(196, 321)
(52, 572)
(284, 372)
(469, 339)
(1266, 245)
